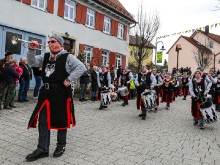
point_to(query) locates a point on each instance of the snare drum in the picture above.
(149, 99)
(208, 112)
(123, 91)
(105, 98)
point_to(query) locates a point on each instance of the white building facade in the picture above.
(99, 27)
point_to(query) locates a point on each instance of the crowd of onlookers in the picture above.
(14, 73)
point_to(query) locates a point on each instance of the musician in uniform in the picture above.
(203, 75)
(168, 90)
(124, 80)
(176, 86)
(144, 80)
(198, 88)
(185, 85)
(55, 106)
(216, 99)
(213, 78)
(157, 87)
(104, 80)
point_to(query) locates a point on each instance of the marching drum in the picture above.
(123, 91)
(105, 98)
(149, 99)
(208, 112)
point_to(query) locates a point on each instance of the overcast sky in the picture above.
(177, 16)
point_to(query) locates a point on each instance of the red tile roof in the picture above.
(193, 42)
(118, 7)
(215, 37)
(133, 41)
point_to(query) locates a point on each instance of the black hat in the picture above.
(8, 54)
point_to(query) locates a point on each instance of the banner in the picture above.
(191, 30)
(159, 57)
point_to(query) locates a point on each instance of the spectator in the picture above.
(9, 76)
(38, 79)
(119, 72)
(8, 56)
(218, 72)
(84, 81)
(24, 80)
(94, 78)
(18, 69)
(92, 63)
(81, 56)
(112, 72)
(107, 67)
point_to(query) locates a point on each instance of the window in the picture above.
(120, 31)
(211, 44)
(105, 57)
(90, 18)
(70, 8)
(118, 60)
(38, 52)
(40, 4)
(15, 49)
(131, 53)
(107, 24)
(88, 51)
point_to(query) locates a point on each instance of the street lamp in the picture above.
(162, 48)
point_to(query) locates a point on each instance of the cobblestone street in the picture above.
(115, 136)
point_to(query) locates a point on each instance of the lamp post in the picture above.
(162, 48)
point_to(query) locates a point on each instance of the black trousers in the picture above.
(44, 134)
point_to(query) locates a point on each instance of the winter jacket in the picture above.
(9, 74)
(27, 72)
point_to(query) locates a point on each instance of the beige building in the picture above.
(200, 40)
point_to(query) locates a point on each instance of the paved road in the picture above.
(115, 136)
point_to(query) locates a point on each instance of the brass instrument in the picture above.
(15, 40)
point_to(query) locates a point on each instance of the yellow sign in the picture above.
(159, 57)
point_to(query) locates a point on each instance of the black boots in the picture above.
(59, 151)
(37, 154)
(125, 103)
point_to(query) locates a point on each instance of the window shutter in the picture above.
(81, 47)
(83, 16)
(101, 22)
(123, 61)
(125, 32)
(50, 6)
(100, 58)
(96, 54)
(61, 8)
(97, 20)
(112, 59)
(113, 27)
(28, 2)
(116, 28)
(78, 12)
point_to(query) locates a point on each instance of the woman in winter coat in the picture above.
(94, 82)
(10, 75)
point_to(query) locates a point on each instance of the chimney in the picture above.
(207, 29)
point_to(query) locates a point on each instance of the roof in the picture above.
(193, 42)
(118, 7)
(215, 37)
(133, 41)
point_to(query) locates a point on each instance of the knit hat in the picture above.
(58, 38)
(198, 71)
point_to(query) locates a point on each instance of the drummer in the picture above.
(144, 80)
(124, 80)
(159, 82)
(198, 88)
(104, 80)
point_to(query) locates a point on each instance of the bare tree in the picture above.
(203, 56)
(217, 7)
(143, 34)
